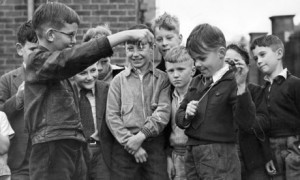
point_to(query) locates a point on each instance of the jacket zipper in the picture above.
(143, 101)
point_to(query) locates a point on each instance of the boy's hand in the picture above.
(170, 168)
(141, 34)
(241, 75)
(135, 142)
(270, 167)
(191, 109)
(140, 155)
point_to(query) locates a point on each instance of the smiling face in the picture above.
(87, 78)
(139, 54)
(165, 40)
(267, 60)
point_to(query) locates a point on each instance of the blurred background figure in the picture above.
(106, 70)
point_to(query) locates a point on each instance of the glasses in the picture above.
(70, 35)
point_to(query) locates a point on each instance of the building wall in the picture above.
(118, 14)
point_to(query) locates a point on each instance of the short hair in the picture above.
(239, 49)
(205, 38)
(177, 54)
(53, 14)
(102, 30)
(168, 22)
(139, 26)
(271, 41)
(26, 33)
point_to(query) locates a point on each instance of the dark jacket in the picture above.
(217, 114)
(9, 84)
(255, 145)
(283, 103)
(51, 108)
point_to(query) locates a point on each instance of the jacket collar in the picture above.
(131, 70)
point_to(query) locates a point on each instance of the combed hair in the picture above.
(271, 41)
(53, 14)
(177, 54)
(239, 49)
(168, 22)
(205, 38)
(91, 33)
(26, 33)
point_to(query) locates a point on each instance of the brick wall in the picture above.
(118, 14)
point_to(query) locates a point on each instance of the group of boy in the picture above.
(83, 128)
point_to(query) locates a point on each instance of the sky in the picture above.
(236, 18)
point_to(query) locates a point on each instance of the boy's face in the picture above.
(138, 55)
(266, 59)
(180, 74)
(210, 64)
(233, 56)
(87, 78)
(64, 37)
(165, 40)
(103, 65)
(25, 50)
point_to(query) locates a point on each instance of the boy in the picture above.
(137, 112)
(282, 97)
(6, 133)
(51, 110)
(180, 69)
(167, 35)
(93, 95)
(254, 147)
(106, 70)
(12, 103)
(210, 107)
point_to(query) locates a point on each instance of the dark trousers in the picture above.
(287, 155)
(22, 172)
(212, 161)
(124, 166)
(97, 168)
(57, 160)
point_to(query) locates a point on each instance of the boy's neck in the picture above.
(182, 90)
(45, 44)
(276, 72)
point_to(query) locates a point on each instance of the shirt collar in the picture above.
(283, 74)
(220, 73)
(79, 88)
(131, 69)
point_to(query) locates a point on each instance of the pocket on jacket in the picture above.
(126, 112)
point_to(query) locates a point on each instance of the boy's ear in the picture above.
(279, 53)
(19, 49)
(221, 53)
(50, 35)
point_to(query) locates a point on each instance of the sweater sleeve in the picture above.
(45, 65)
